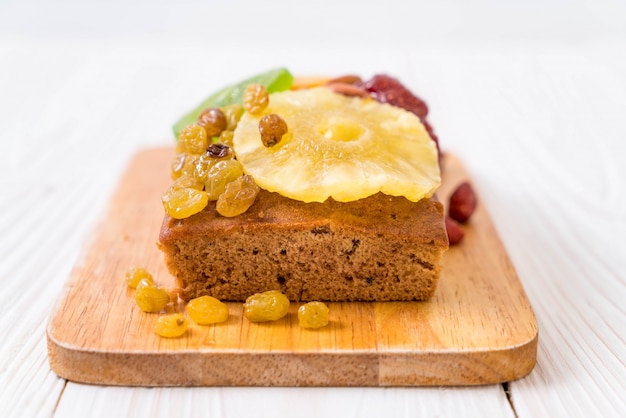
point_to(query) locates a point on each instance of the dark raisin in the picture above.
(213, 120)
(272, 128)
(218, 150)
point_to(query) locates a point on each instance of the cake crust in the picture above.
(380, 248)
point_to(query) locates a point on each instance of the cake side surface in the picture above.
(380, 248)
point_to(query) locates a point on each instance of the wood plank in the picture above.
(363, 402)
(479, 327)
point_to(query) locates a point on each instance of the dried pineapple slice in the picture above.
(342, 147)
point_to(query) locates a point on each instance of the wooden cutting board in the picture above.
(479, 327)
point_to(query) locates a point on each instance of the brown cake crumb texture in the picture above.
(381, 248)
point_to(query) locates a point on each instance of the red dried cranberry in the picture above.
(432, 134)
(454, 230)
(387, 89)
(462, 202)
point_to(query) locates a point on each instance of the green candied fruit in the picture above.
(278, 79)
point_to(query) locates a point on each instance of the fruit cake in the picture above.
(324, 191)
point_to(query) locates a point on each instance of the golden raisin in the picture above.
(202, 167)
(213, 120)
(150, 298)
(267, 306)
(238, 196)
(136, 274)
(184, 163)
(222, 173)
(187, 181)
(232, 113)
(182, 203)
(255, 98)
(313, 315)
(178, 162)
(214, 154)
(226, 137)
(272, 128)
(193, 140)
(171, 326)
(144, 282)
(206, 310)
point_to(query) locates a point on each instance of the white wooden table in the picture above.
(531, 97)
